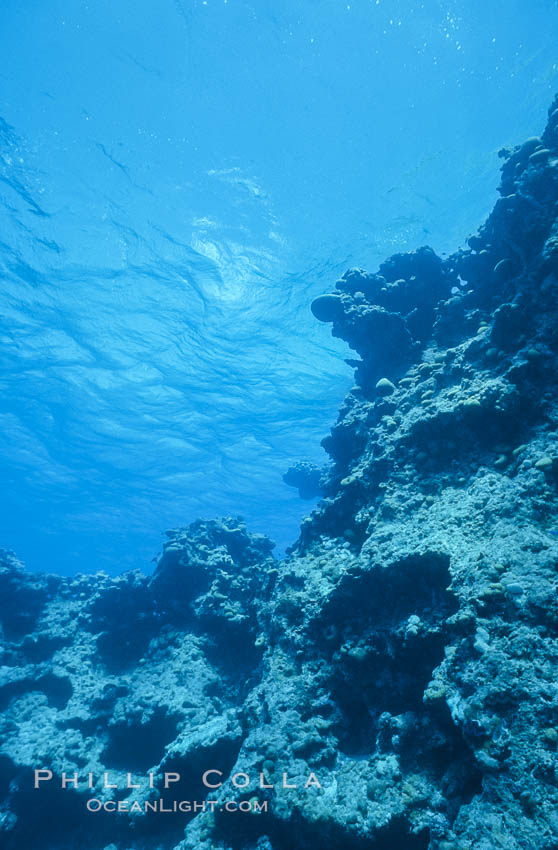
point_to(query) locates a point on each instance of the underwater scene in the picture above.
(279, 425)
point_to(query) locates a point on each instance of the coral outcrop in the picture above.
(306, 477)
(399, 666)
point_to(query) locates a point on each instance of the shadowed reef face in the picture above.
(404, 652)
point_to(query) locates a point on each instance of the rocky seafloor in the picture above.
(404, 653)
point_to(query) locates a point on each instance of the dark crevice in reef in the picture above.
(58, 690)
(125, 620)
(138, 745)
(40, 647)
(89, 727)
(190, 765)
(264, 833)
(7, 773)
(384, 662)
(389, 677)
(403, 651)
(387, 595)
(53, 818)
(235, 655)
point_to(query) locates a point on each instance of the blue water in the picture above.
(178, 180)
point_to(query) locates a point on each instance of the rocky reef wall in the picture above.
(399, 666)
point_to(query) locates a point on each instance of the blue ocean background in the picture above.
(178, 180)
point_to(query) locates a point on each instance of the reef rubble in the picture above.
(405, 651)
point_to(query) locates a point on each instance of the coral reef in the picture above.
(403, 654)
(306, 477)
